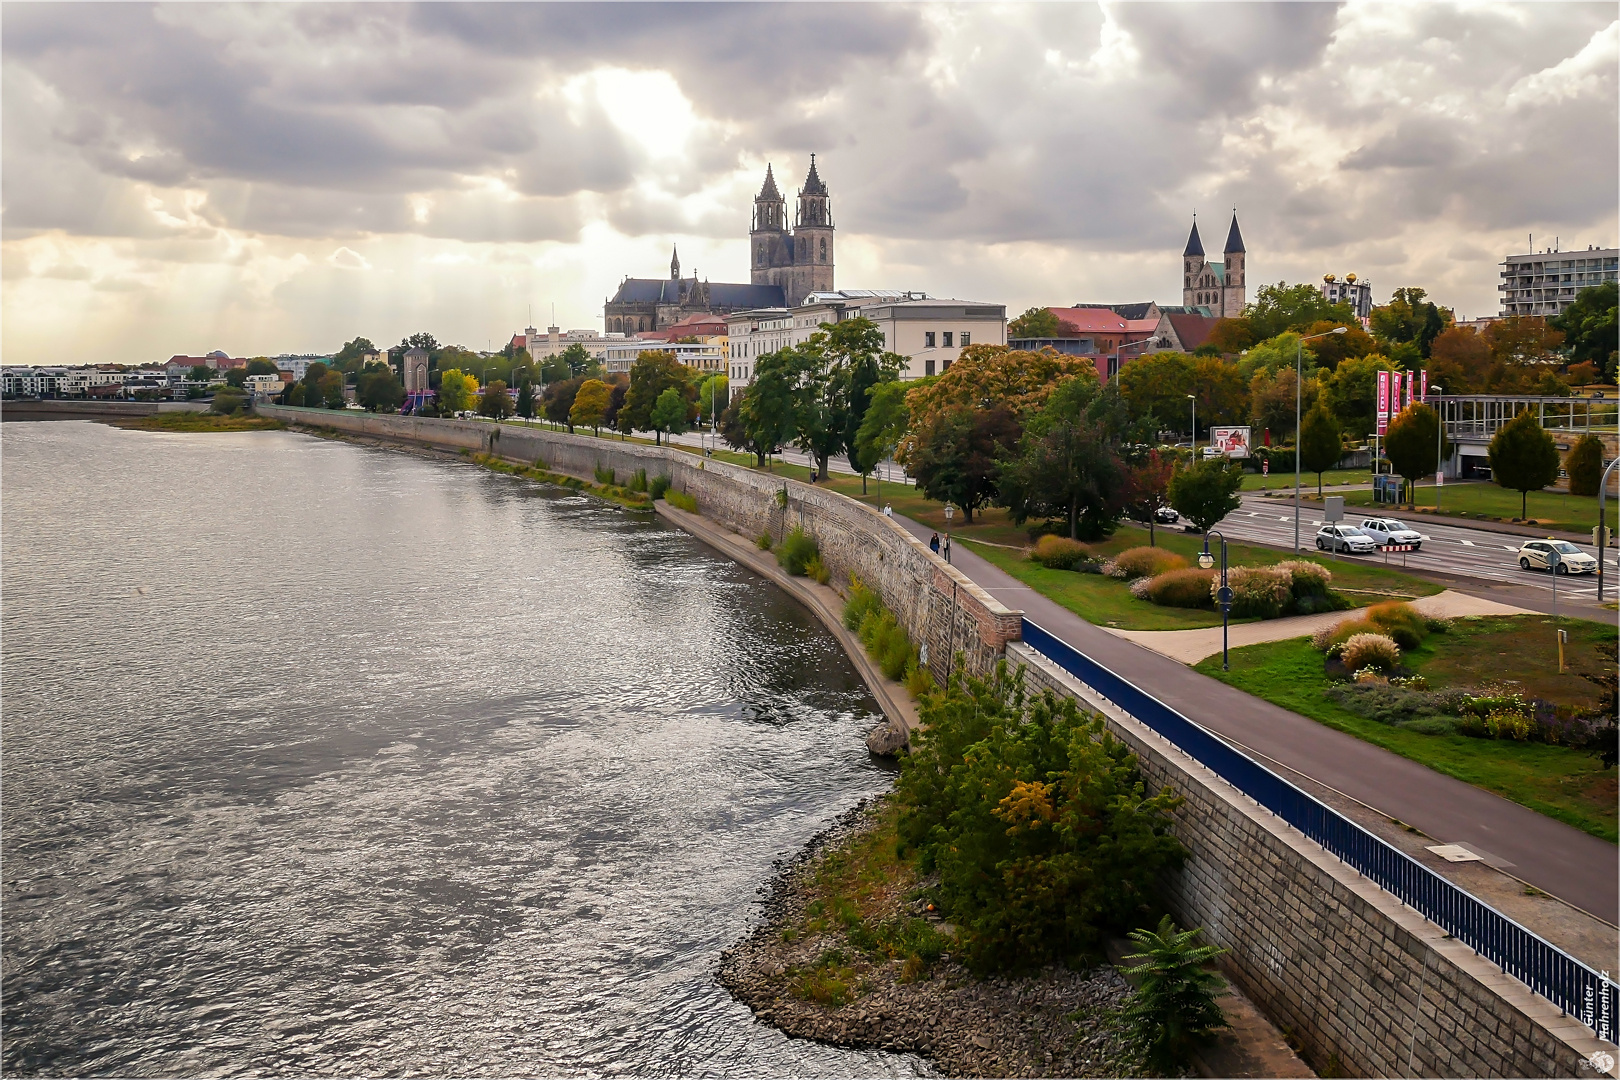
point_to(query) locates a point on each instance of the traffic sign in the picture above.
(1224, 594)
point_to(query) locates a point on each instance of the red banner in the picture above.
(1383, 402)
(1425, 378)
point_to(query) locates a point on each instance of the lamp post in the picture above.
(1299, 394)
(1602, 530)
(1195, 427)
(1121, 347)
(1224, 595)
(1439, 444)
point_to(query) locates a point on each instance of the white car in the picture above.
(1537, 555)
(1391, 531)
(1344, 538)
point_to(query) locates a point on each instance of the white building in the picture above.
(619, 356)
(1546, 283)
(544, 346)
(84, 381)
(1348, 290)
(298, 365)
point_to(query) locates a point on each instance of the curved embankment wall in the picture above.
(1360, 981)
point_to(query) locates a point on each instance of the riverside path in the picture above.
(1554, 857)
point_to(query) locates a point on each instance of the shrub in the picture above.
(1401, 622)
(816, 570)
(1174, 1010)
(638, 482)
(680, 500)
(1323, 637)
(1257, 591)
(657, 487)
(1181, 588)
(919, 681)
(862, 602)
(1141, 562)
(797, 550)
(1060, 553)
(227, 403)
(1306, 578)
(1430, 725)
(764, 541)
(605, 475)
(1139, 588)
(895, 654)
(1370, 651)
(1349, 628)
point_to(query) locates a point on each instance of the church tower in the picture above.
(1232, 291)
(1192, 267)
(768, 240)
(674, 263)
(812, 240)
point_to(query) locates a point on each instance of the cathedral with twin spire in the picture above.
(786, 264)
(1217, 286)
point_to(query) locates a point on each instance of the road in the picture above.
(1556, 858)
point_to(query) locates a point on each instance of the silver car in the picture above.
(1392, 531)
(1537, 555)
(1346, 538)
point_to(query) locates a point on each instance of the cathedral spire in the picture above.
(813, 184)
(1234, 239)
(769, 192)
(1195, 246)
(674, 263)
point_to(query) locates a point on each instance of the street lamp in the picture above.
(1439, 444)
(1224, 596)
(1195, 427)
(1121, 347)
(1299, 393)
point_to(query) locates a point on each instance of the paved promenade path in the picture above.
(1556, 858)
(1191, 646)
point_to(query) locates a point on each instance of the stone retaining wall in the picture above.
(938, 605)
(1352, 973)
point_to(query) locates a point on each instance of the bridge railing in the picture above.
(1547, 970)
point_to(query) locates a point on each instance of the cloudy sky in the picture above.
(279, 178)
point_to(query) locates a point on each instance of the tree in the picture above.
(618, 387)
(766, 410)
(1282, 306)
(1016, 380)
(954, 455)
(456, 391)
(204, 374)
(1223, 393)
(379, 389)
(1460, 360)
(558, 401)
(1351, 392)
(835, 368)
(653, 372)
(495, 402)
(1065, 466)
(423, 340)
(669, 413)
(259, 365)
(1157, 385)
(1584, 464)
(578, 360)
(1412, 444)
(1590, 328)
(553, 369)
(525, 401)
(590, 405)
(1037, 322)
(1409, 318)
(350, 356)
(1174, 1010)
(1147, 489)
(882, 428)
(1272, 400)
(1231, 336)
(1334, 349)
(1282, 352)
(713, 395)
(1206, 491)
(1523, 457)
(1320, 445)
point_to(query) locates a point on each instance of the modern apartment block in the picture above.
(1348, 290)
(1545, 282)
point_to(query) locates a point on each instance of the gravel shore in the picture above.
(1056, 1023)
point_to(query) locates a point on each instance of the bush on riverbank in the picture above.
(885, 640)
(796, 551)
(1034, 819)
(680, 500)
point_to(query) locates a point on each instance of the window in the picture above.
(946, 366)
(947, 339)
(928, 365)
(928, 343)
(967, 339)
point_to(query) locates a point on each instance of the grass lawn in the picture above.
(1279, 481)
(1488, 502)
(1520, 650)
(1108, 602)
(200, 421)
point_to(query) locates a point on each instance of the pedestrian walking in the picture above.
(947, 547)
(888, 511)
(933, 543)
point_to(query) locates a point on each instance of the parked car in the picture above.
(1537, 555)
(1165, 515)
(1391, 531)
(1345, 538)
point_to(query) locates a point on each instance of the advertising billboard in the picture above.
(1233, 442)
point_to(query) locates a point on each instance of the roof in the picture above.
(1195, 246)
(1192, 330)
(1124, 311)
(721, 294)
(1234, 239)
(1099, 320)
(768, 193)
(813, 184)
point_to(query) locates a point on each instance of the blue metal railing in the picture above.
(1549, 971)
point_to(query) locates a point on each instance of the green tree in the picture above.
(1037, 322)
(456, 391)
(1231, 336)
(236, 377)
(1036, 822)
(578, 360)
(1409, 318)
(1320, 444)
(259, 365)
(835, 367)
(1412, 445)
(713, 395)
(422, 340)
(525, 401)
(669, 413)
(330, 387)
(766, 412)
(882, 427)
(1351, 392)
(1206, 491)
(1147, 488)
(1157, 385)
(1273, 399)
(203, 373)
(1590, 329)
(229, 401)
(1065, 466)
(590, 405)
(1174, 1009)
(1523, 457)
(653, 372)
(1282, 306)
(1584, 464)
(379, 389)
(558, 401)
(350, 356)
(955, 455)
(1332, 349)
(495, 402)
(1223, 392)
(1281, 353)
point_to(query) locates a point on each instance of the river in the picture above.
(320, 759)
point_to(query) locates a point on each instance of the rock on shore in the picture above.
(1057, 1023)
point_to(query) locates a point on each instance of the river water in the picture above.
(324, 759)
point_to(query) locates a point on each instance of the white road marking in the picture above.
(1509, 547)
(1468, 543)
(1285, 519)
